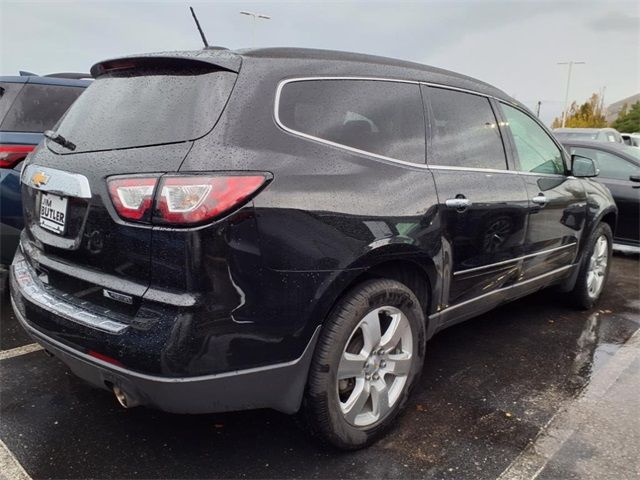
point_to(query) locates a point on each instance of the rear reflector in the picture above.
(105, 358)
(182, 200)
(11, 155)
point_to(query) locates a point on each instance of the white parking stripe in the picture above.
(16, 352)
(10, 468)
(531, 462)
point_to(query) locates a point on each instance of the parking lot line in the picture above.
(533, 460)
(16, 352)
(10, 468)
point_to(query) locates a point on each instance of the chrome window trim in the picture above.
(463, 90)
(534, 174)
(512, 260)
(425, 165)
(276, 115)
(491, 170)
(471, 169)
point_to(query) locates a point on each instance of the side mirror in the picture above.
(583, 167)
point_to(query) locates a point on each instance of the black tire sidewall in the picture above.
(581, 291)
(321, 394)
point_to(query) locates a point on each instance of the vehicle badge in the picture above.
(39, 178)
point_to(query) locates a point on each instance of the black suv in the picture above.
(286, 228)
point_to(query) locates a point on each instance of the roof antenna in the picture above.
(204, 39)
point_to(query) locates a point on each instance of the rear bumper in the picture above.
(279, 386)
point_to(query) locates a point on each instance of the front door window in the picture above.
(536, 151)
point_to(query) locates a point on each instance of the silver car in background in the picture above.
(596, 134)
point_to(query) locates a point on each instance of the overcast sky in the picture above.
(514, 45)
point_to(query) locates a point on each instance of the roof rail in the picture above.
(24, 73)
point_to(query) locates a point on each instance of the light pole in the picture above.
(255, 16)
(566, 95)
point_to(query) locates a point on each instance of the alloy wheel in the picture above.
(375, 366)
(598, 266)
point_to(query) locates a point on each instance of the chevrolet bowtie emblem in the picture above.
(39, 179)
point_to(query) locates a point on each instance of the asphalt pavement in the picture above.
(534, 389)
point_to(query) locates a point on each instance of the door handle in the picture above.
(540, 200)
(459, 203)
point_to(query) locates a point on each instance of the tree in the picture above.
(628, 121)
(588, 115)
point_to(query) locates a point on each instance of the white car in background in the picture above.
(631, 139)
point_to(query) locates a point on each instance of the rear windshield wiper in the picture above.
(59, 139)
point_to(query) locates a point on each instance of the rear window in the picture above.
(8, 93)
(381, 117)
(146, 106)
(38, 107)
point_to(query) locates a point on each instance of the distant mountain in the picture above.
(614, 109)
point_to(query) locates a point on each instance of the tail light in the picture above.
(182, 200)
(132, 196)
(11, 155)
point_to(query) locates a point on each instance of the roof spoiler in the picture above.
(68, 75)
(210, 57)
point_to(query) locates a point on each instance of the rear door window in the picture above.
(148, 105)
(38, 107)
(464, 131)
(381, 117)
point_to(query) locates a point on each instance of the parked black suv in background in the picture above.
(619, 171)
(286, 228)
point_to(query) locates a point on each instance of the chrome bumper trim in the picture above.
(28, 287)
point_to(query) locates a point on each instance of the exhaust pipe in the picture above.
(124, 399)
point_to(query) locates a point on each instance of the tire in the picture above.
(583, 295)
(349, 331)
